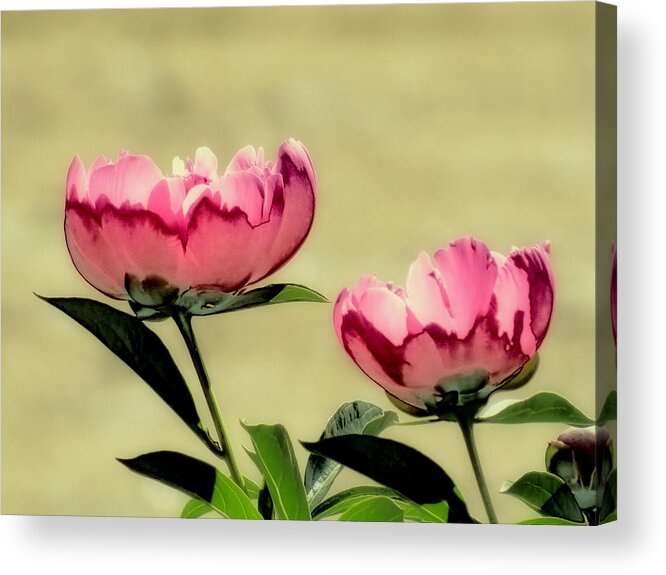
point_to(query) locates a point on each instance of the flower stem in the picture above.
(184, 323)
(466, 426)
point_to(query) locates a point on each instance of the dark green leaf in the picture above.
(374, 509)
(274, 457)
(141, 349)
(396, 466)
(197, 479)
(351, 417)
(549, 521)
(545, 493)
(265, 502)
(195, 508)
(609, 498)
(609, 410)
(544, 407)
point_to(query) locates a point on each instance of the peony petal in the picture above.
(423, 363)
(295, 166)
(376, 356)
(512, 305)
(76, 187)
(387, 312)
(136, 176)
(339, 309)
(93, 256)
(101, 183)
(205, 164)
(243, 160)
(194, 195)
(483, 350)
(535, 262)
(426, 298)
(166, 200)
(144, 246)
(468, 273)
(223, 249)
(242, 191)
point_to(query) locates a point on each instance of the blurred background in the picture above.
(425, 123)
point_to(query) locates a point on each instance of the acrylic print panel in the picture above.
(347, 330)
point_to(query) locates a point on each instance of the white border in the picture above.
(634, 544)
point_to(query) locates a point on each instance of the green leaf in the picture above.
(197, 479)
(140, 348)
(544, 407)
(549, 521)
(609, 410)
(545, 493)
(214, 302)
(274, 457)
(351, 417)
(194, 509)
(340, 502)
(265, 502)
(609, 498)
(427, 513)
(374, 509)
(396, 466)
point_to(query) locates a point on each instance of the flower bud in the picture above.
(583, 459)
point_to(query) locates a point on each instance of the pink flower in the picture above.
(468, 320)
(127, 222)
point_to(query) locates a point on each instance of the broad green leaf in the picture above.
(251, 488)
(544, 407)
(427, 513)
(549, 521)
(140, 348)
(203, 302)
(396, 466)
(195, 508)
(340, 502)
(197, 479)
(351, 417)
(374, 509)
(545, 493)
(609, 497)
(609, 409)
(274, 457)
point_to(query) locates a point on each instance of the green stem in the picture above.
(466, 426)
(184, 323)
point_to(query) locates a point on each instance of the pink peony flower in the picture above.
(468, 320)
(127, 222)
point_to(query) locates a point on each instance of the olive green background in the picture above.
(424, 123)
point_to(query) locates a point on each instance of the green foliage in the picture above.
(274, 457)
(198, 480)
(609, 498)
(141, 349)
(545, 493)
(544, 407)
(351, 417)
(195, 302)
(549, 521)
(396, 466)
(609, 409)
(374, 509)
